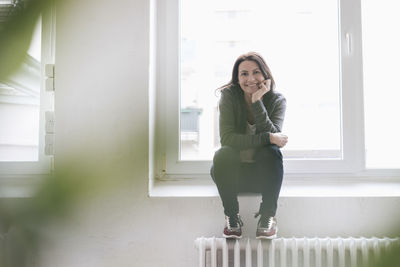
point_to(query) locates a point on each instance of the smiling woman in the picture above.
(251, 118)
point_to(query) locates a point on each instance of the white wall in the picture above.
(102, 102)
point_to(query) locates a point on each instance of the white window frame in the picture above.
(32, 170)
(167, 60)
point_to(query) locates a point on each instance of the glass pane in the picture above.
(19, 107)
(299, 41)
(381, 56)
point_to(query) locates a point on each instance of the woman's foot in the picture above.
(233, 226)
(267, 227)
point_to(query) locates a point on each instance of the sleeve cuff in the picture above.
(267, 138)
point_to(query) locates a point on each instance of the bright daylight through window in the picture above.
(298, 39)
(381, 56)
(20, 107)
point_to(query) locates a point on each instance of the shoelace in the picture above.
(269, 219)
(237, 222)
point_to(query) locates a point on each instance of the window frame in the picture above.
(167, 60)
(30, 171)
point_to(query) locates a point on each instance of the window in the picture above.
(381, 87)
(23, 104)
(314, 51)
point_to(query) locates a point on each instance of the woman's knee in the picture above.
(226, 155)
(225, 166)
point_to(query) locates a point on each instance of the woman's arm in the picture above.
(269, 122)
(228, 133)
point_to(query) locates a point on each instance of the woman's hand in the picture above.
(264, 88)
(278, 139)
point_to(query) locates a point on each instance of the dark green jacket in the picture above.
(268, 114)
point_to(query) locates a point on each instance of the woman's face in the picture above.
(250, 76)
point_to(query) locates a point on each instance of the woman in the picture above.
(251, 118)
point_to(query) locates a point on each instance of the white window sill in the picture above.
(291, 188)
(19, 186)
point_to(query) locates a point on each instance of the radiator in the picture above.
(291, 252)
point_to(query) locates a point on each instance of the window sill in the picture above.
(292, 187)
(19, 186)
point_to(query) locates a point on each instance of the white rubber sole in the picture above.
(268, 237)
(232, 236)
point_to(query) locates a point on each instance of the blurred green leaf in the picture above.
(59, 195)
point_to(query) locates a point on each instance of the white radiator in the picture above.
(291, 252)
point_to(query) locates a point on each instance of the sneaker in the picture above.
(233, 227)
(267, 227)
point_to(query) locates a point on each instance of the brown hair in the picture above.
(257, 58)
